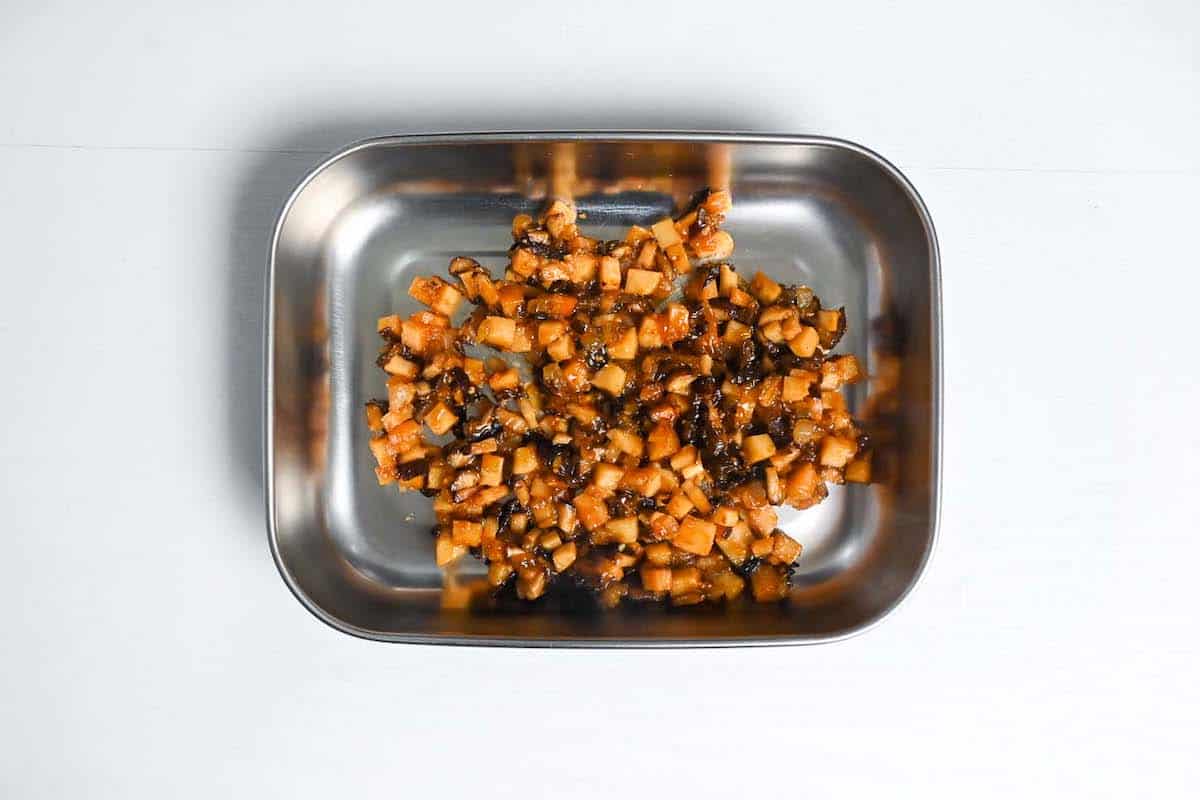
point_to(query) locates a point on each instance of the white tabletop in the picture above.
(151, 649)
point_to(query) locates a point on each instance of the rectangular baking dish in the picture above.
(811, 210)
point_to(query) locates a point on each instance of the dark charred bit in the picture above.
(477, 430)
(696, 201)
(745, 366)
(395, 348)
(609, 407)
(463, 264)
(780, 430)
(623, 503)
(747, 567)
(729, 471)
(705, 387)
(547, 250)
(505, 395)
(422, 405)
(596, 355)
(382, 405)
(802, 298)
(411, 469)
(457, 380)
(808, 452)
(566, 464)
(505, 515)
(743, 314)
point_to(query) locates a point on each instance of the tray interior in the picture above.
(806, 211)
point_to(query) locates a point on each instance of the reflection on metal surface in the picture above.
(807, 210)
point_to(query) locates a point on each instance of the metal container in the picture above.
(811, 210)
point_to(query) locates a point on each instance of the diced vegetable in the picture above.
(695, 535)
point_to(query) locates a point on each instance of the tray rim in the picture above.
(519, 136)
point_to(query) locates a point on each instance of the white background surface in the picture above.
(149, 647)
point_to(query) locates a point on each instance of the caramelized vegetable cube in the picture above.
(435, 293)
(525, 460)
(656, 579)
(684, 458)
(698, 498)
(641, 281)
(680, 505)
(591, 510)
(695, 535)
(508, 379)
(607, 477)
(550, 330)
(391, 324)
(664, 231)
(859, 471)
(625, 346)
(767, 584)
(626, 442)
(740, 298)
(497, 331)
(561, 348)
(836, 451)
(734, 549)
(763, 520)
(829, 320)
(761, 548)
(610, 273)
(726, 516)
(398, 365)
(757, 448)
(531, 583)
(610, 379)
(621, 531)
(582, 267)
(784, 548)
(684, 580)
(795, 388)
(661, 442)
(466, 533)
(765, 289)
(491, 470)
(804, 344)
(649, 336)
(802, 484)
(563, 556)
(445, 551)
(440, 418)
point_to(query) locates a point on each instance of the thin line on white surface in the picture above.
(1058, 170)
(135, 148)
(304, 151)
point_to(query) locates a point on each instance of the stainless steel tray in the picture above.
(820, 211)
